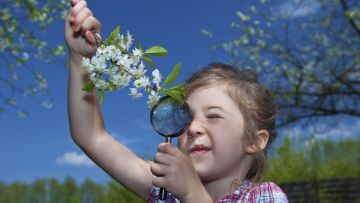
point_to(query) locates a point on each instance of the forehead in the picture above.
(210, 96)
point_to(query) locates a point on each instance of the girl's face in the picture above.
(213, 140)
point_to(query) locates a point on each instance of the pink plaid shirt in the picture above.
(247, 193)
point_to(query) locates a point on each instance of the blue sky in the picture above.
(40, 146)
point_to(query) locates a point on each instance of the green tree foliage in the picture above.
(70, 191)
(21, 21)
(52, 191)
(339, 160)
(287, 164)
(91, 192)
(293, 161)
(10, 193)
(118, 194)
(306, 51)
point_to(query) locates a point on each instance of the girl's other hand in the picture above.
(80, 26)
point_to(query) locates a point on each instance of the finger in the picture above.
(78, 7)
(157, 169)
(169, 148)
(74, 2)
(70, 18)
(90, 23)
(163, 158)
(89, 35)
(72, 12)
(80, 19)
(159, 182)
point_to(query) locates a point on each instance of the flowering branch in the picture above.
(114, 66)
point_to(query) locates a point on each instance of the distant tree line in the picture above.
(314, 160)
(53, 191)
(292, 161)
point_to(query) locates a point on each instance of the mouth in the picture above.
(199, 150)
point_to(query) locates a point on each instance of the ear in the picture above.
(262, 137)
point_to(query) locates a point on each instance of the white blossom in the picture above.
(142, 82)
(137, 52)
(138, 72)
(135, 93)
(120, 80)
(129, 40)
(153, 98)
(116, 67)
(156, 77)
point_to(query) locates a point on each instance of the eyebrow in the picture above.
(214, 107)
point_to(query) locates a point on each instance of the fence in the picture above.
(332, 191)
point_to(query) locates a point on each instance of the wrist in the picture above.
(75, 58)
(76, 66)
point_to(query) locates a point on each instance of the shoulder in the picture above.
(266, 192)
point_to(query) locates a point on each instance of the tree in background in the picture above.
(118, 194)
(306, 51)
(21, 21)
(295, 160)
(70, 191)
(91, 192)
(287, 164)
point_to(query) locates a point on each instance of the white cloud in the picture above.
(296, 10)
(74, 159)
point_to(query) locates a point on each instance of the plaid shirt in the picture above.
(247, 193)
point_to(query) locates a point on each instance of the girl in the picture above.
(220, 157)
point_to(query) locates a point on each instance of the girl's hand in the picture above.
(174, 171)
(80, 24)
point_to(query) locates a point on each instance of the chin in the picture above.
(204, 173)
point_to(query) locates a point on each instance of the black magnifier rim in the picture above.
(186, 124)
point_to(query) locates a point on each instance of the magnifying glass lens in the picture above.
(169, 117)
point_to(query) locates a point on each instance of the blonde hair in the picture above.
(254, 101)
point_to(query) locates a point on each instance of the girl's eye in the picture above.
(213, 116)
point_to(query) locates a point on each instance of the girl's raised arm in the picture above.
(85, 118)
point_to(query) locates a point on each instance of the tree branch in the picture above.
(351, 20)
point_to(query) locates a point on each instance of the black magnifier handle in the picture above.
(163, 192)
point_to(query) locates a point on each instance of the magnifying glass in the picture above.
(169, 118)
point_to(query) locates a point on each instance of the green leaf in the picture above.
(173, 75)
(156, 51)
(148, 60)
(111, 86)
(101, 96)
(88, 86)
(113, 35)
(177, 92)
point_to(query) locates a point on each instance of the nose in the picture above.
(195, 128)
